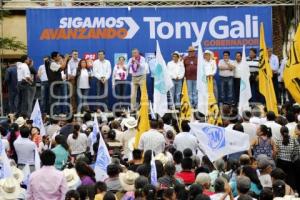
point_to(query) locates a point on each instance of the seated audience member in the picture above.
(137, 160)
(169, 179)
(278, 188)
(100, 189)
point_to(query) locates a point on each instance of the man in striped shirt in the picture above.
(253, 62)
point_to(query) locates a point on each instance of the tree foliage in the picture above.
(10, 43)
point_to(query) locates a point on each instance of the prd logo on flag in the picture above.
(216, 137)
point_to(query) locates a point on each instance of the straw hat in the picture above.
(176, 53)
(10, 189)
(17, 174)
(162, 158)
(72, 178)
(130, 122)
(20, 121)
(191, 48)
(127, 180)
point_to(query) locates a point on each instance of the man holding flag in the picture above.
(291, 74)
(162, 84)
(265, 75)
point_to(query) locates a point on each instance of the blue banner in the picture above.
(119, 30)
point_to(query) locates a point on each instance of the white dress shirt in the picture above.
(185, 140)
(23, 71)
(25, 150)
(176, 70)
(83, 81)
(152, 140)
(275, 129)
(224, 69)
(72, 66)
(238, 69)
(210, 67)
(78, 145)
(250, 129)
(274, 63)
(101, 69)
(42, 73)
(281, 69)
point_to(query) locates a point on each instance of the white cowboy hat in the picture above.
(17, 174)
(10, 189)
(72, 178)
(20, 121)
(127, 180)
(130, 122)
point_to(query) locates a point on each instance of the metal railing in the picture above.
(22, 4)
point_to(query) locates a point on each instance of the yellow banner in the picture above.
(143, 120)
(185, 108)
(265, 74)
(291, 74)
(214, 115)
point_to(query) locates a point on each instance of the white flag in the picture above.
(37, 159)
(217, 142)
(94, 133)
(5, 169)
(102, 161)
(201, 83)
(162, 84)
(245, 89)
(153, 171)
(36, 117)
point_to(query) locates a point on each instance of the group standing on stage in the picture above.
(66, 80)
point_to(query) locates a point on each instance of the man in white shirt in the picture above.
(176, 70)
(152, 139)
(226, 71)
(249, 128)
(55, 78)
(237, 76)
(25, 149)
(185, 139)
(71, 73)
(42, 74)
(276, 135)
(24, 83)
(102, 72)
(253, 62)
(210, 68)
(138, 69)
(274, 64)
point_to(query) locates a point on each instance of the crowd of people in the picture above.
(70, 84)
(268, 170)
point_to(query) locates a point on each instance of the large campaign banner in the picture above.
(119, 30)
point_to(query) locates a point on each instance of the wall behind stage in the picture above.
(118, 30)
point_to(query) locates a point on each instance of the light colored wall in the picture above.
(15, 26)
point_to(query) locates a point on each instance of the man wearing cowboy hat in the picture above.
(176, 70)
(130, 123)
(10, 189)
(190, 65)
(210, 68)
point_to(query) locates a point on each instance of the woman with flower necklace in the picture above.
(120, 74)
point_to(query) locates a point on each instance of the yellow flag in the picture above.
(291, 74)
(265, 75)
(214, 115)
(185, 108)
(143, 120)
